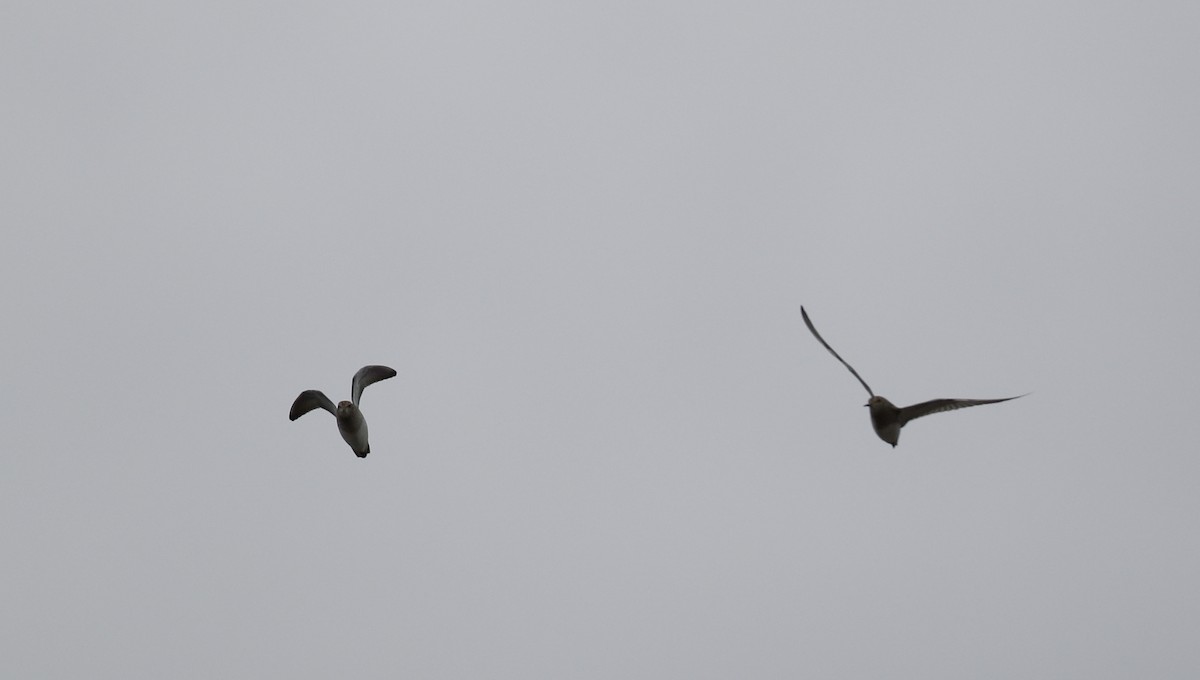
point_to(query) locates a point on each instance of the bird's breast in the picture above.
(353, 427)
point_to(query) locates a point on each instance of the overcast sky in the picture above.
(582, 233)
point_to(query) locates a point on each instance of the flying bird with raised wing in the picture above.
(350, 420)
(886, 417)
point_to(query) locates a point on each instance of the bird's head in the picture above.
(877, 401)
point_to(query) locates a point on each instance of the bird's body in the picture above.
(886, 417)
(353, 427)
(350, 421)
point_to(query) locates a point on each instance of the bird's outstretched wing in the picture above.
(817, 335)
(308, 400)
(367, 375)
(938, 405)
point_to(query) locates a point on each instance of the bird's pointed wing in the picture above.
(938, 405)
(817, 335)
(367, 375)
(308, 400)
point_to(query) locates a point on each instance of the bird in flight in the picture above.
(350, 420)
(886, 417)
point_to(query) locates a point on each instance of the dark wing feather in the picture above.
(367, 375)
(938, 405)
(309, 400)
(817, 335)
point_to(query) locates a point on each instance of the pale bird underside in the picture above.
(886, 417)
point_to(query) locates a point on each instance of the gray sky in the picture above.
(582, 234)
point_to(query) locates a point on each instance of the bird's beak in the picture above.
(867, 404)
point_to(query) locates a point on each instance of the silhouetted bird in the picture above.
(349, 419)
(886, 417)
